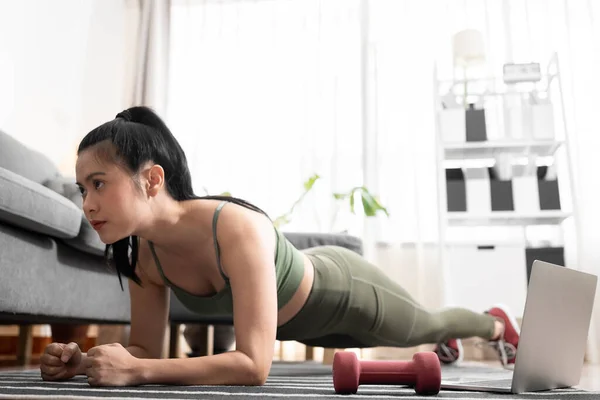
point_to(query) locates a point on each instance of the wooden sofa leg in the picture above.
(25, 345)
(328, 355)
(309, 353)
(203, 340)
(206, 340)
(174, 340)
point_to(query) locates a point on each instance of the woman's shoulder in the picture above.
(238, 218)
(234, 224)
(230, 221)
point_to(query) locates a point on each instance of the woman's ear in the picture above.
(155, 180)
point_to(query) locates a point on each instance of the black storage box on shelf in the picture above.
(456, 190)
(501, 192)
(554, 255)
(475, 124)
(548, 190)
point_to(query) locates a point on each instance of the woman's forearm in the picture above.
(138, 352)
(231, 368)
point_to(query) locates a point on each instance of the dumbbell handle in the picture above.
(387, 372)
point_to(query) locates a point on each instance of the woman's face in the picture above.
(112, 201)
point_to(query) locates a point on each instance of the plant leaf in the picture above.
(368, 205)
(311, 181)
(281, 221)
(226, 194)
(381, 207)
(285, 218)
(352, 202)
(371, 204)
(340, 196)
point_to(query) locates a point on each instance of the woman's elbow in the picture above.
(258, 381)
(256, 371)
(258, 374)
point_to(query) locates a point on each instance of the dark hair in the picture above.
(139, 135)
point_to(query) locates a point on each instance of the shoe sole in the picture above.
(510, 316)
(461, 354)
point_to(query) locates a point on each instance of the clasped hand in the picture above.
(105, 365)
(111, 365)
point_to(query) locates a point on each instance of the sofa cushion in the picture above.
(87, 240)
(306, 240)
(29, 205)
(66, 187)
(20, 159)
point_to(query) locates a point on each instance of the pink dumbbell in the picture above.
(423, 372)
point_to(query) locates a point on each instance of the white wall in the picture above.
(68, 63)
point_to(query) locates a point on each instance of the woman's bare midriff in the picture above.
(299, 298)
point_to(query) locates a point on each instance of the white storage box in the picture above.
(479, 198)
(480, 276)
(542, 121)
(453, 125)
(526, 194)
(514, 120)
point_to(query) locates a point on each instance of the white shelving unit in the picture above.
(487, 149)
(466, 255)
(507, 218)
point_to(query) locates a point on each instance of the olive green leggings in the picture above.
(354, 304)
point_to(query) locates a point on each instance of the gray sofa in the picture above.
(51, 260)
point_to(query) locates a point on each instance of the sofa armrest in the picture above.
(29, 205)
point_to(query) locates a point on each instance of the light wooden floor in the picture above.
(590, 376)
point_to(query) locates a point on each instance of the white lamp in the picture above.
(468, 50)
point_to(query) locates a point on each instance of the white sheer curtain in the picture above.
(265, 93)
(148, 60)
(61, 71)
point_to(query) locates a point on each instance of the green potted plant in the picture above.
(369, 202)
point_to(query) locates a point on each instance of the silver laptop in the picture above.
(553, 337)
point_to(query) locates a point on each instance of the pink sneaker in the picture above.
(509, 342)
(450, 352)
